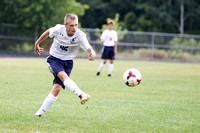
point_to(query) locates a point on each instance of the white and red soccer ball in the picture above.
(132, 77)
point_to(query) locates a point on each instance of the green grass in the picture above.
(167, 100)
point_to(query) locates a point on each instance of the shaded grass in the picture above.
(167, 100)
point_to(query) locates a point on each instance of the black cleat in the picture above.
(98, 73)
(109, 75)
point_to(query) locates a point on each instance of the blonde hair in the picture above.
(70, 17)
(111, 22)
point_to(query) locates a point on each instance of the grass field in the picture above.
(167, 100)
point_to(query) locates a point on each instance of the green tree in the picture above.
(38, 13)
(173, 16)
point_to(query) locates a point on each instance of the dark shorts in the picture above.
(108, 53)
(56, 65)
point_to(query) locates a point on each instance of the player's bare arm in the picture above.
(38, 49)
(115, 52)
(92, 54)
(102, 41)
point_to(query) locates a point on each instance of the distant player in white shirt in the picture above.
(109, 40)
(66, 43)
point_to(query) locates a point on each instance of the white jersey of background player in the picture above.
(109, 37)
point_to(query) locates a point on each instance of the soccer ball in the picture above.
(132, 77)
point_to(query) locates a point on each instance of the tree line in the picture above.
(171, 16)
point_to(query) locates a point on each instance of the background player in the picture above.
(109, 41)
(67, 41)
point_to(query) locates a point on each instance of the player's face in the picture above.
(110, 26)
(71, 27)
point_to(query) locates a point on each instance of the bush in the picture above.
(162, 54)
(22, 48)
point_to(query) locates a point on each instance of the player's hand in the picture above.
(115, 52)
(38, 49)
(92, 56)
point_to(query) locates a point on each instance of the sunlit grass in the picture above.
(167, 100)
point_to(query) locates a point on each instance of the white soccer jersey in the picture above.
(109, 37)
(65, 47)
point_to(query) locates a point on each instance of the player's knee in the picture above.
(56, 89)
(62, 75)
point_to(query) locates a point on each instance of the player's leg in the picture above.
(102, 64)
(104, 57)
(111, 58)
(70, 84)
(73, 87)
(49, 100)
(110, 68)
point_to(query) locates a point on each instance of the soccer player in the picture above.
(109, 40)
(68, 38)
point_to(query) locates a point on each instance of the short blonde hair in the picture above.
(70, 17)
(110, 22)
